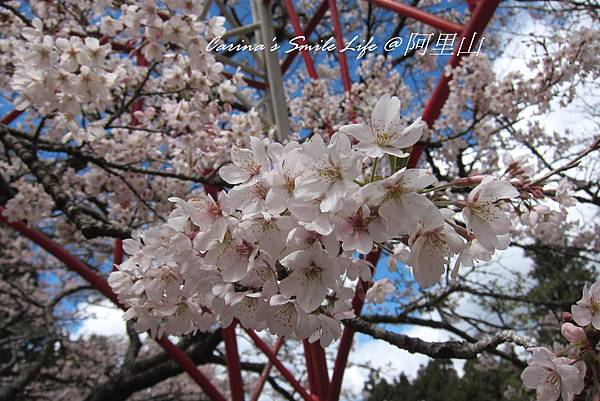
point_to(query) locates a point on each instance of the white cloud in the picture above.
(103, 319)
(389, 359)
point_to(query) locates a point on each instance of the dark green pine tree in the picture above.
(436, 381)
(560, 275)
(380, 390)
(487, 380)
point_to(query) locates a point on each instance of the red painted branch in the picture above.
(320, 367)
(308, 30)
(482, 15)
(190, 367)
(234, 370)
(264, 347)
(310, 369)
(472, 4)
(265, 373)
(310, 68)
(76, 265)
(341, 359)
(118, 253)
(339, 41)
(69, 260)
(339, 366)
(10, 117)
(419, 15)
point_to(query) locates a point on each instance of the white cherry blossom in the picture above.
(331, 170)
(483, 215)
(312, 273)
(267, 231)
(250, 198)
(553, 377)
(324, 329)
(380, 290)
(587, 309)
(282, 180)
(474, 251)
(400, 203)
(431, 244)
(283, 316)
(352, 228)
(247, 164)
(385, 135)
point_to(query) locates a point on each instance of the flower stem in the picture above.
(374, 169)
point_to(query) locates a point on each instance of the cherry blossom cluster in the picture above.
(277, 250)
(78, 83)
(62, 73)
(565, 374)
(40, 203)
(483, 122)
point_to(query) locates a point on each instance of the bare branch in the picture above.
(91, 223)
(443, 349)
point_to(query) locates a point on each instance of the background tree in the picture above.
(487, 379)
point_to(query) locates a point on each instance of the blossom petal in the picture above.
(259, 149)
(596, 320)
(310, 295)
(548, 392)
(359, 131)
(233, 174)
(582, 315)
(379, 113)
(371, 149)
(417, 178)
(243, 158)
(410, 135)
(482, 229)
(531, 375)
(494, 190)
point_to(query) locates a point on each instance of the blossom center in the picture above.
(358, 222)
(550, 380)
(243, 249)
(383, 138)
(290, 184)
(482, 208)
(254, 168)
(310, 238)
(168, 277)
(330, 174)
(214, 211)
(312, 274)
(396, 191)
(181, 309)
(259, 191)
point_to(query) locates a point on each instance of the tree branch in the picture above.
(91, 223)
(444, 349)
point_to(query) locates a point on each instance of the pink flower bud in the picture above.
(572, 333)
(138, 114)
